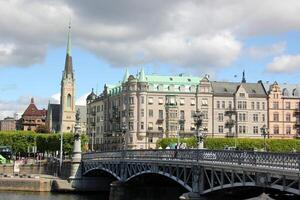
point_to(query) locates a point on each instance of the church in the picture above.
(61, 117)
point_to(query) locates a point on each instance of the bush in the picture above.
(273, 145)
(20, 141)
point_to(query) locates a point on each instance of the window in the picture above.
(221, 129)
(218, 104)
(230, 104)
(69, 101)
(276, 117)
(255, 117)
(205, 114)
(288, 130)
(287, 105)
(223, 104)
(263, 117)
(242, 94)
(181, 126)
(244, 105)
(276, 129)
(131, 113)
(252, 105)
(220, 117)
(192, 102)
(142, 113)
(192, 113)
(242, 117)
(257, 105)
(255, 129)
(242, 129)
(142, 125)
(275, 105)
(160, 100)
(130, 126)
(204, 102)
(173, 114)
(150, 126)
(142, 100)
(182, 114)
(160, 114)
(263, 105)
(150, 100)
(288, 117)
(181, 101)
(150, 113)
(240, 104)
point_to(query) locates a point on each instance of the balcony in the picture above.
(230, 112)
(230, 123)
(160, 120)
(297, 125)
(297, 111)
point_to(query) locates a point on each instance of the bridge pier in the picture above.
(117, 191)
(190, 196)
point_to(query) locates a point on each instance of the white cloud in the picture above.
(82, 100)
(187, 33)
(56, 97)
(284, 64)
(267, 50)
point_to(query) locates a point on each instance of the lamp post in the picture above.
(198, 118)
(61, 151)
(92, 136)
(264, 133)
(124, 135)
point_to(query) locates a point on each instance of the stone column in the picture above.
(76, 156)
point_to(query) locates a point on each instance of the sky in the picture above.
(196, 37)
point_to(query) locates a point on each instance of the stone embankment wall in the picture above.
(25, 184)
(6, 169)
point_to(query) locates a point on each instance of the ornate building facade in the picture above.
(151, 107)
(284, 110)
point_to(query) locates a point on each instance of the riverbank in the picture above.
(25, 184)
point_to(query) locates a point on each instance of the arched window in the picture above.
(69, 101)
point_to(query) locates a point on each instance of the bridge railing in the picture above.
(247, 158)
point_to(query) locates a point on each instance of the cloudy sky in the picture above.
(221, 38)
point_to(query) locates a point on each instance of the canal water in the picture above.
(13, 195)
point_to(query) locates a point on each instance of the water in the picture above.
(50, 196)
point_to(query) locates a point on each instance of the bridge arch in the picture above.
(163, 174)
(104, 170)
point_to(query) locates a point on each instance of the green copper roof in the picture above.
(126, 75)
(142, 77)
(180, 80)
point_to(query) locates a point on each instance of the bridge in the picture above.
(201, 171)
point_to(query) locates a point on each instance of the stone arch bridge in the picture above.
(202, 171)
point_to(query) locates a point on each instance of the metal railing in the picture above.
(246, 158)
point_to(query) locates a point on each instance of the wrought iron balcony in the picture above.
(160, 120)
(230, 111)
(297, 111)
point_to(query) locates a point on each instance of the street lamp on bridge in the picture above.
(198, 119)
(264, 132)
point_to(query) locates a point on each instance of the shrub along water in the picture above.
(272, 145)
(21, 141)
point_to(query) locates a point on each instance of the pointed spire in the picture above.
(32, 100)
(126, 75)
(142, 77)
(69, 40)
(244, 79)
(68, 63)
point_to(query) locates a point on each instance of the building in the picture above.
(33, 117)
(240, 109)
(284, 110)
(8, 124)
(61, 117)
(153, 107)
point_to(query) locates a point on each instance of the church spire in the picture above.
(244, 79)
(142, 77)
(68, 63)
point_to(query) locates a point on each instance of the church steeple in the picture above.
(244, 79)
(68, 62)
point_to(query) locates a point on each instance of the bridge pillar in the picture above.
(117, 191)
(75, 174)
(197, 185)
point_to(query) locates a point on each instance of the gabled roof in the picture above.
(230, 88)
(32, 110)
